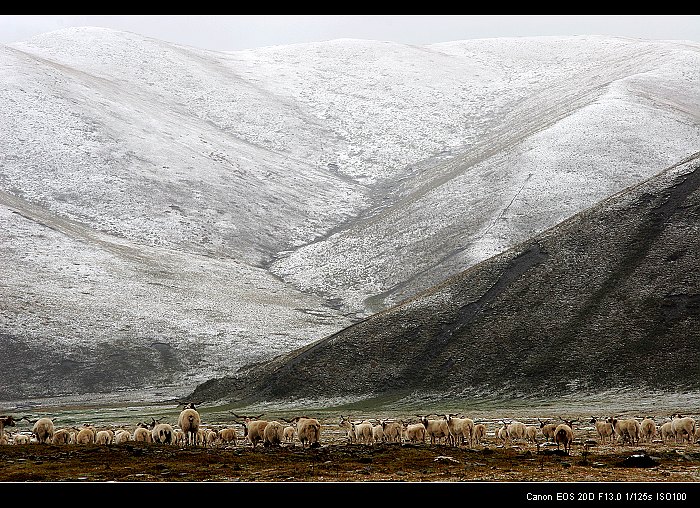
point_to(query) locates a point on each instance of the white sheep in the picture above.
(43, 430)
(683, 428)
(227, 436)
(189, 421)
(531, 434)
(436, 430)
(21, 439)
(363, 432)
(273, 435)
(564, 435)
(461, 429)
(547, 430)
(104, 437)
(308, 431)
(86, 435)
(502, 433)
(61, 436)
(666, 432)
(122, 436)
(253, 428)
(516, 430)
(392, 431)
(378, 433)
(161, 433)
(289, 432)
(479, 433)
(349, 427)
(648, 427)
(142, 434)
(413, 433)
(604, 429)
(178, 437)
(628, 430)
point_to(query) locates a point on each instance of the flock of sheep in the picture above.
(448, 429)
(188, 432)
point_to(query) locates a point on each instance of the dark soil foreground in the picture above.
(520, 471)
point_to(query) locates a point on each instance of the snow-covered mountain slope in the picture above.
(211, 209)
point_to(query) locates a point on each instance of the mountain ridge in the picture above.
(461, 338)
(238, 205)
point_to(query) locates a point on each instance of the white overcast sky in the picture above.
(234, 32)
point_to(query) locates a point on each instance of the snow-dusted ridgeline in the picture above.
(206, 204)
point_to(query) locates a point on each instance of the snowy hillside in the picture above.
(175, 209)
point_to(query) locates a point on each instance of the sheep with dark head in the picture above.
(161, 432)
(142, 434)
(308, 431)
(564, 435)
(604, 428)
(253, 428)
(683, 428)
(189, 422)
(392, 430)
(436, 430)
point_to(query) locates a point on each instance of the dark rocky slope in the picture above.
(609, 299)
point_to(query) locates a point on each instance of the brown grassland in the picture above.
(337, 461)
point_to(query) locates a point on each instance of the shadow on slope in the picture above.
(609, 299)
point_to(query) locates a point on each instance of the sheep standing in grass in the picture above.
(502, 434)
(178, 437)
(61, 436)
(273, 435)
(648, 428)
(564, 435)
(142, 434)
(86, 435)
(253, 428)
(461, 430)
(547, 430)
(392, 431)
(436, 430)
(308, 431)
(516, 430)
(604, 429)
(349, 427)
(363, 432)
(189, 422)
(227, 436)
(531, 434)
(161, 433)
(21, 439)
(378, 433)
(628, 430)
(289, 432)
(683, 428)
(43, 430)
(666, 432)
(104, 437)
(122, 436)
(413, 433)
(479, 433)
(210, 438)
